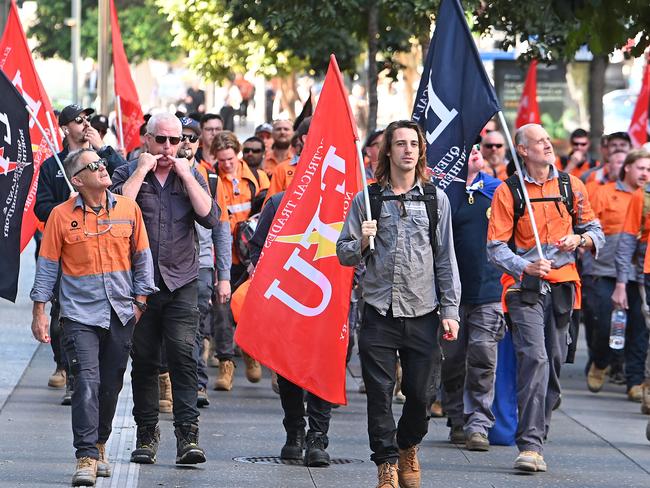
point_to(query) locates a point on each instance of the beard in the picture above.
(282, 145)
(186, 152)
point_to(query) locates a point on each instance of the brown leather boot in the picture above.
(253, 369)
(103, 467)
(645, 397)
(408, 468)
(387, 476)
(86, 472)
(166, 402)
(226, 375)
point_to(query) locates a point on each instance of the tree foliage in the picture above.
(146, 33)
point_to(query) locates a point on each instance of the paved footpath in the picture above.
(595, 441)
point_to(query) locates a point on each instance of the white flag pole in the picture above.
(522, 183)
(366, 195)
(118, 110)
(54, 139)
(49, 143)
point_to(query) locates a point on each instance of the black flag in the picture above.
(16, 172)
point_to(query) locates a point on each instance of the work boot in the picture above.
(408, 468)
(596, 378)
(530, 461)
(103, 467)
(187, 445)
(166, 402)
(315, 454)
(226, 375)
(253, 369)
(457, 434)
(146, 445)
(85, 473)
(202, 399)
(645, 397)
(57, 379)
(294, 445)
(477, 441)
(387, 476)
(436, 409)
(635, 393)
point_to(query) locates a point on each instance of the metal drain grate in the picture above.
(288, 462)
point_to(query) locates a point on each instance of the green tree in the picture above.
(146, 34)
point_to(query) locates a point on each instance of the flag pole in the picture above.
(522, 183)
(366, 195)
(49, 143)
(54, 140)
(118, 109)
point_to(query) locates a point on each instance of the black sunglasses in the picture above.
(493, 146)
(186, 137)
(94, 166)
(80, 119)
(250, 149)
(173, 140)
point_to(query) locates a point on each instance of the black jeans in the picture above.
(380, 339)
(97, 358)
(319, 411)
(205, 289)
(172, 317)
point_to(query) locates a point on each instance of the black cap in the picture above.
(71, 112)
(99, 122)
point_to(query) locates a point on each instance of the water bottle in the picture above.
(617, 329)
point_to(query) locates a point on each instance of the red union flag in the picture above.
(294, 318)
(17, 63)
(528, 112)
(129, 105)
(639, 124)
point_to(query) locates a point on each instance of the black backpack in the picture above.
(429, 198)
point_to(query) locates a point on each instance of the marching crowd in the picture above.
(142, 258)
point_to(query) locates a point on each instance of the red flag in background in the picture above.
(129, 104)
(528, 112)
(294, 319)
(17, 63)
(639, 124)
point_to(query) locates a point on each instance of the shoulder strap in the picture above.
(518, 205)
(566, 192)
(431, 203)
(374, 191)
(212, 183)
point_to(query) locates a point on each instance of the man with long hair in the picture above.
(410, 287)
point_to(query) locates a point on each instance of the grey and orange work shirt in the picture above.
(403, 273)
(169, 218)
(105, 260)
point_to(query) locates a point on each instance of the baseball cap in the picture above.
(264, 128)
(189, 123)
(99, 122)
(71, 112)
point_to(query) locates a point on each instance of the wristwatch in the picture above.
(583, 241)
(142, 306)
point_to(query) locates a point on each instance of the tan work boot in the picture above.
(387, 476)
(57, 379)
(253, 369)
(596, 378)
(103, 467)
(635, 393)
(645, 397)
(226, 375)
(436, 409)
(86, 472)
(166, 402)
(408, 468)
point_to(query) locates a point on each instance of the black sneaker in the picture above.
(146, 445)
(457, 434)
(315, 454)
(202, 399)
(294, 446)
(187, 445)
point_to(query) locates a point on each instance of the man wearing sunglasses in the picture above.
(101, 243)
(253, 153)
(172, 196)
(493, 149)
(52, 190)
(578, 161)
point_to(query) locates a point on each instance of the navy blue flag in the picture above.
(16, 172)
(455, 99)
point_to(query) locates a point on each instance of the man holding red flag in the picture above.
(414, 256)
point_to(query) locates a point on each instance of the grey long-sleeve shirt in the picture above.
(402, 272)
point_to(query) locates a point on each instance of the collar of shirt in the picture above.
(79, 201)
(294, 160)
(621, 186)
(553, 173)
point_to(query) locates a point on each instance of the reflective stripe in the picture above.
(239, 207)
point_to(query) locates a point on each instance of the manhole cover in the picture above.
(289, 462)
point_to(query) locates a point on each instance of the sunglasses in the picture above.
(81, 119)
(493, 146)
(251, 150)
(173, 140)
(94, 166)
(575, 143)
(185, 137)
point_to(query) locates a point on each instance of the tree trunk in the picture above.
(597, 69)
(289, 95)
(424, 40)
(373, 29)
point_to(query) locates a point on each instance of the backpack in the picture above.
(565, 197)
(243, 233)
(429, 199)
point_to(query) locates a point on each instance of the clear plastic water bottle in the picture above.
(617, 329)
